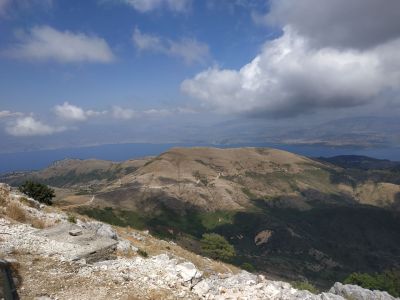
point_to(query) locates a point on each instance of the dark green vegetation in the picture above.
(217, 247)
(361, 169)
(387, 281)
(323, 244)
(142, 253)
(248, 267)
(71, 219)
(38, 191)
(305, 286)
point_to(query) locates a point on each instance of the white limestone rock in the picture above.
(355, 292)
(125, 247)
(188, 271)
(101, 229)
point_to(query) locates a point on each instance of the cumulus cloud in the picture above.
(123, 113)
(339, 23)
(43, 43)
(290, 76)
(71, 112)
(150, 5)
(28, 126)
(188, 49)
(331, 54)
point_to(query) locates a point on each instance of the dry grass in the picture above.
(127, 254)
(37, 223)
(152, 295)
(16, 212)
(26, 202)
(3, 200)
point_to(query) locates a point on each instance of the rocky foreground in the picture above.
(64, 258)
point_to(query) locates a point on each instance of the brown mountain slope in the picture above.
(213, 179)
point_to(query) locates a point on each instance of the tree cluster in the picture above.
(39, 192)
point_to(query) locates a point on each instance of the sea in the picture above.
(35, 160)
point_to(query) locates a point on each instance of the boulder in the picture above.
(355, 292)
(125, 247)
(188, 271)
(201, 288)
(100, 229)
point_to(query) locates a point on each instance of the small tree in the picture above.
(38, 191)
(217, 247)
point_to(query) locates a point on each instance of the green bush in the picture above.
(38, 191)
(142, 253)
(305, 286)
(217, 247)
(72, 219)
(388, 281)
(248, 267)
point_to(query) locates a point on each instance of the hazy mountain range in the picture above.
(355, 132)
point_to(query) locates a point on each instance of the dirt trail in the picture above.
(89, 202)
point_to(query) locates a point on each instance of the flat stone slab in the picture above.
(85, 243)
(75, 232)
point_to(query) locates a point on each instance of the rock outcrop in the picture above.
(349, 291)
(85, 244)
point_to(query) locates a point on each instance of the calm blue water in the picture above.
(35, 160)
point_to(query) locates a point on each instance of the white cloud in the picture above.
(46, 43)
(153, 112)
(338, 23)
(290, 76)
(123, 113)
(8, 114)
(93, 113)
(147, 41)
(28, 126)
(150, 5)
(188, 49)
(71, 112)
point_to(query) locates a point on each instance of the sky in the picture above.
(76, 73)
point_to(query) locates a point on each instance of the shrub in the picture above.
(72, 219)
(16, 212)
(38, 191)
(388, 281)
(217, 247)
(142, 253)
(248, 267)
(305, 286)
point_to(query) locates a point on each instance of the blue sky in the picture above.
(135, 77)
(164, 70)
